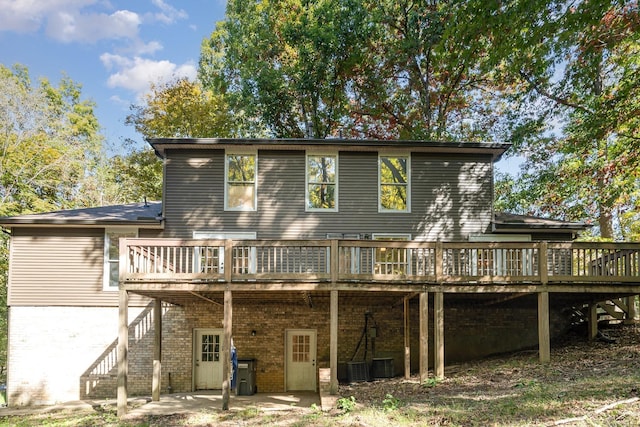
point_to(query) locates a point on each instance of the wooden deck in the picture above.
(180, 264)
(164, 268)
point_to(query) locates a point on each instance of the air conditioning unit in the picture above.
(357, 372)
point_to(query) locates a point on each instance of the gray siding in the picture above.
(59, 267)
(451, 197)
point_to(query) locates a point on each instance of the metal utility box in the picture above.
(246, 385)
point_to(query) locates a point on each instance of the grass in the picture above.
(585, 385)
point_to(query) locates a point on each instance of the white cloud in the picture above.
(68, 20)
(168, 14)
(26, 16)
(137, 74)
(89, 28)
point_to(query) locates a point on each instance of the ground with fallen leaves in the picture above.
(586, 384)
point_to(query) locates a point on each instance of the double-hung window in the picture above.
(394, 183)
(322, 182)
(112, 238)
(241, 181)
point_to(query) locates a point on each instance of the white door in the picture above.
(300, 359)
(207, 359)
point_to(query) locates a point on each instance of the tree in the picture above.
(577, 65)
(136, 175)
(182, 108)
(421, 77)
(50, 147)
(382, 69)
(287, 64)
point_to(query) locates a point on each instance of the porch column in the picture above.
(226, 349)
(157, 350)
(407, 339)
(123, 349)
(424, 336)
(438, 334)
(543, 327)
(333, 343)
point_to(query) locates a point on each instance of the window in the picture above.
(300, 348)
(112, 238)
(240, 177)
(210, 259)
(389, 260)
(322, 190)
(210, 348)
(393, 179)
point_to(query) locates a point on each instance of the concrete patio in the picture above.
(182, 403)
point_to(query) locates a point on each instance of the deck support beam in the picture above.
(407, 339)
(123, 350)
(157, 350)
(424, 336)
(333, 343)
(544, 340)
(438, 334)
(226, 349)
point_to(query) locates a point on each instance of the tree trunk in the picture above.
(606, 222)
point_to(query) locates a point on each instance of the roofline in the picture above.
(496, 149)
(499, 226)
(88, 223)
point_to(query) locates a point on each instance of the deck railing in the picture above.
(377, 260)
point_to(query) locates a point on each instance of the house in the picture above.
(359, 258)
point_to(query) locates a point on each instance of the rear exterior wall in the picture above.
(451, 197)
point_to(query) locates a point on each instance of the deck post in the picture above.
(333, 343)
(592, 321)
(424, 336)
(407, 339)
(544, 343)
(226, 347)
(123, 350)
(438, 334)
(631, 310)
(157, 350)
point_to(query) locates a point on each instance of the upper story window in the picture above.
(322, 182)
(240, 181)
(394, 183)
(112, 238)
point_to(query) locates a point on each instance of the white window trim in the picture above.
(395, 236)
(218, 235)
(306, 181)
(106, 268)
(408, 207)
(226, 180)
(500, 259)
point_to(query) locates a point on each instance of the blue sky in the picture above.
(113, 48)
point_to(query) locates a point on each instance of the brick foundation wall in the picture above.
(68, 353)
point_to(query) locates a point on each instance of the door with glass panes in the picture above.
(301, 359)
(207, 359)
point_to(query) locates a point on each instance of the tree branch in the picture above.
(562, 101)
